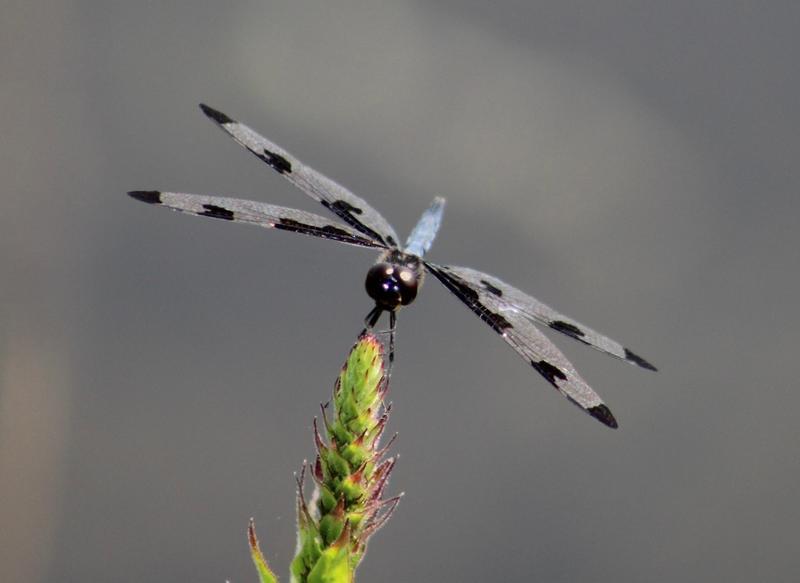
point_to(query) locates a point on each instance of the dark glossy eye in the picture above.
(391, 285)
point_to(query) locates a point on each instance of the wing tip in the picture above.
(603, 414)
(638, 360)
(148, 196)
(216, 115)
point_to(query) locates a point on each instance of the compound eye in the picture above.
(383, 286)
(407, 284)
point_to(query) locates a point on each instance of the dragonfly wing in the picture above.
(350, 208)
(545, 315)
(256, 213)
(522, 335)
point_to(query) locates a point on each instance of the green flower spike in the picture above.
(349, 473)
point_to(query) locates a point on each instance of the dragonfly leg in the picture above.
(371, 320)
(392, 328)
(372, 317)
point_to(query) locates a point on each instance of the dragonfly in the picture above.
(397, 276)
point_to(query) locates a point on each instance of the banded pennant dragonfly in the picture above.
(397, 276)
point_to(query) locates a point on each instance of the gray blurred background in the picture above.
(633, 165)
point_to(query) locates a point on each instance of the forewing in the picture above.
(545, 315)
(347, 206)
(521, 334)
(256, 213)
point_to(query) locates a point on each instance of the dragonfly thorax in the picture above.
(394, 280)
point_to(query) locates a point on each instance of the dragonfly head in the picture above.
(392, 285)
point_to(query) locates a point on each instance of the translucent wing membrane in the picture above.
(256, 213)
(421, 238)
(347, 206)
(517, 329)
(515, 300)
